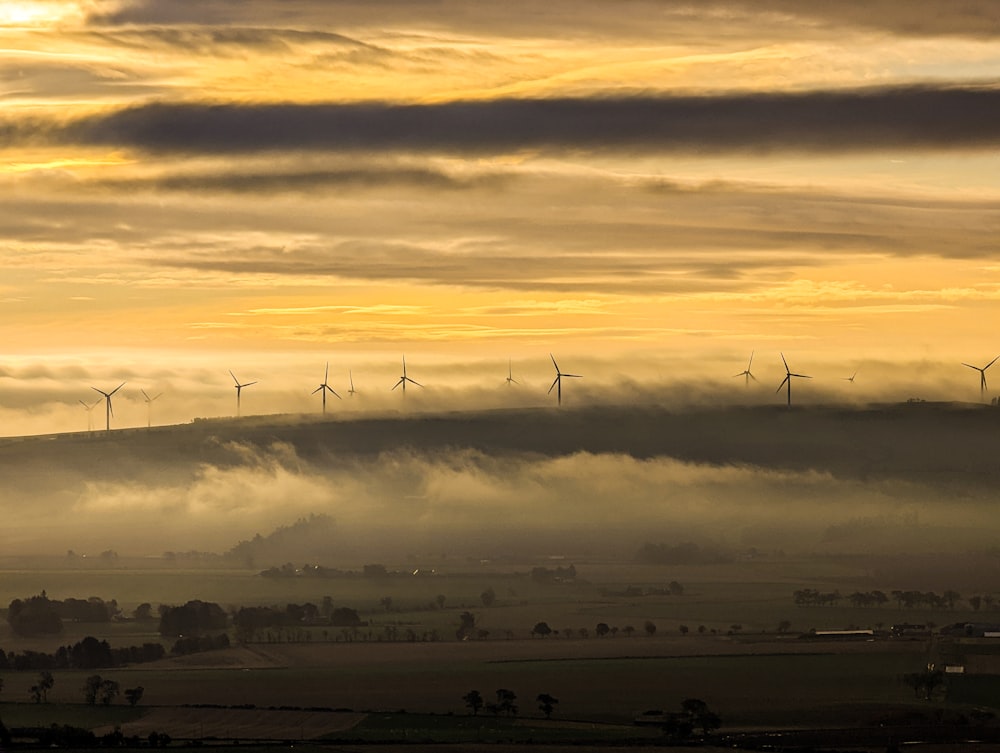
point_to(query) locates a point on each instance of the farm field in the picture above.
(330, 683)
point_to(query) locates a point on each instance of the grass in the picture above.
(488, 729)
(72, 714)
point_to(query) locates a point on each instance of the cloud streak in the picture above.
(825, 122)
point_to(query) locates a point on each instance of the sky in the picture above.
(649, 190)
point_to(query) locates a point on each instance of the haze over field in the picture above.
(600, 482)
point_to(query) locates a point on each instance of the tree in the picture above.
(628, 630)
(488, 597)
(91, 687)
(546, 704)
(440, 599)
(35, 616)
(542, 629)
(193, 618)
(40, 691)
(134, 695)
(684, 629)
(650, 628)
(467, 624)
(676, 589)
(505, 702)
(109, 691)
(143, 612)
(784, 626)
(474, 700)
(602, 629)
(975, 602)
(700, 715)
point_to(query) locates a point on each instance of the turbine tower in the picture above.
(149, 406)
(982, 375)
(239, 389)
(350, 375)
(788, 379)
(90, 413)
(324, 387)
(557, 382)
(404, 379)
(108, 410)
(510, 376)
(746, 372)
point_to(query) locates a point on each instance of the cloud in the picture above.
(643, 19)
(390, 500)
(823, 122)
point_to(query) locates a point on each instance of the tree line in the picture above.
(908, 599)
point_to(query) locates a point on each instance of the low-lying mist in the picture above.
(461, 494)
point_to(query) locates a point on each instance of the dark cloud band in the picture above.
(815, 122)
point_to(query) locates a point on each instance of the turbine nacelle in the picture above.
(789, 374)
(557, 382)
(109, 410)
(404, 379)
(746, 372)
(324, 387)
(982, 374)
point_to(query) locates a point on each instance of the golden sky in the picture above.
(649, 189)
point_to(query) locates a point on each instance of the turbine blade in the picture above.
(971, 366)
(750, 362)
(316, 390)
(397, 384)
(328, 387)
(787, 377)
(575, 376)
(233, 376)
(784, 362)
(990, 363)
(101, 391)
(554, 362)
(751, 376)
(117, 388)
(554, 382)
(248, 384)
(326, 377)
(414, 381)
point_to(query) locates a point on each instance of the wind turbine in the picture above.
(149, 406)
(850, 378)
(404, 379)
(746, 372)
(324, 387)
(982, 374)
(557, 383)
(90, 413)
(350, 375)
(510, 376)
(108, 411)
(788, 379)
(239, 389)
